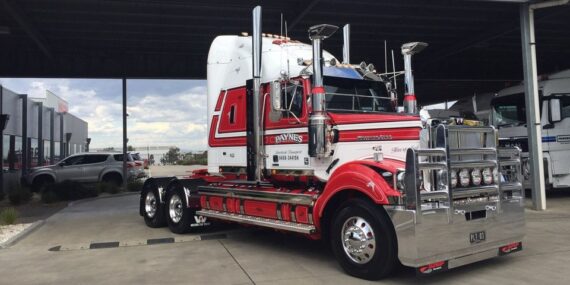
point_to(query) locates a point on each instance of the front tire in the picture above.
(178, 216)
(151, 208)
(363, 240)
(40, 183)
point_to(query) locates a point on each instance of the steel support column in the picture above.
(124, 133)
(61, 141)
(24, 160)
(40, 106)
(52, 136)
(532, 108)
(1, 142)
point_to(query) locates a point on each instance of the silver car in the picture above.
(83, 167)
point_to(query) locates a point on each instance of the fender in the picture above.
(41, 173)
(357, 176)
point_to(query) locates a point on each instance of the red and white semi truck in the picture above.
(301, 143)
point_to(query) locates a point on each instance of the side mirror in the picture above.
(275, 94)
(555, 115)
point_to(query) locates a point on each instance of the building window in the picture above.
(47, 152)
(17, 153)
(33, 152)
(56, 152)
(6, 151)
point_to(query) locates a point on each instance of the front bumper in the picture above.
(438, 237)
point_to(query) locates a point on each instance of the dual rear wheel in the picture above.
(173, 212)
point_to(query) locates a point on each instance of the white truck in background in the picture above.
(508, 114)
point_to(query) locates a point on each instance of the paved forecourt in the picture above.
(105, 241)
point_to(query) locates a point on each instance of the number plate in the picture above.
(477, 237)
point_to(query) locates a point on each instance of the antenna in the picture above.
(286, 36)
(385, 56)
(281, 33)
(394, 71)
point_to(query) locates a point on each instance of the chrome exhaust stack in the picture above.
(256, 151)
(409, 49)
(346, 46)
(318, 117)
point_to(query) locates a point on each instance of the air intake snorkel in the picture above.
(318, 118)
(409, 49)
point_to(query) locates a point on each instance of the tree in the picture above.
(172, 156)
(130, 148)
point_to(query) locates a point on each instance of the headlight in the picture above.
(476, 176)
(487, 176)
(453, 181)
(464, 177)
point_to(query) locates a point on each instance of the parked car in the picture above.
(83, 167)
(139, 165)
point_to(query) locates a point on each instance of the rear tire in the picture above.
(113, 178)
(363, 240)
(151, 208)
(178, 216)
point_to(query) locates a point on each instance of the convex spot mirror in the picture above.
(275, 94)
(555, 115)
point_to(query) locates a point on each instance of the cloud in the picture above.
(161, 112)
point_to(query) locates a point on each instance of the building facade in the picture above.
(39, 131)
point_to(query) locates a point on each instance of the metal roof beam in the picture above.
(27, 26)
(486, 36)
(302, 14)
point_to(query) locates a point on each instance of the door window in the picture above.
(75, 160)
(292, 98)
(97, 158)
(565, 106)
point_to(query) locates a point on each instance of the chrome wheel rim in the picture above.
(175, 208)
(150, 204)
(358, 240)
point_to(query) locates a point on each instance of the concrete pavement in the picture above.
(244, 255)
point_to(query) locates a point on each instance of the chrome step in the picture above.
(257, 221)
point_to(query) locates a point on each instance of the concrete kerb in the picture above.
(13, 240)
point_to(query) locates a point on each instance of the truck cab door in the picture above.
(286, 129)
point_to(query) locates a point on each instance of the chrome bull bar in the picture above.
(436, 212)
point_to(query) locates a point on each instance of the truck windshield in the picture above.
(356, 95)
(509, 110)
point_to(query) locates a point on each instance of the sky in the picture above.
(161, 112)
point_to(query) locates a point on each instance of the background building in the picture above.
(39, 131)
